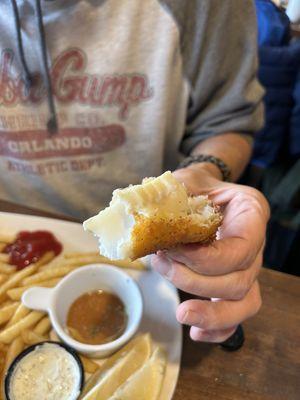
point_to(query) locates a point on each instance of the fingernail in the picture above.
(190, 317)
(182, 317)
(164, 267)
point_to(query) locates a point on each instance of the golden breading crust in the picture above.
(158, 233)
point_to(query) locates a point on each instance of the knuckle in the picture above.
(259, 201)
(194, 287)
(241, 287)
(175, 275)
(242, 258)
(254, 192)
(182, 278)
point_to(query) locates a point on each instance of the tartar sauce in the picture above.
(48, 372)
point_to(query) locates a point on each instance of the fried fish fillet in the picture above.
(158, 214)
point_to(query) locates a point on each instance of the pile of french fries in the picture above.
(21, 327)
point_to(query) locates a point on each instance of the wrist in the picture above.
(206, 168)
(213, 166)
(198, 177)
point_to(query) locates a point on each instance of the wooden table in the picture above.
(295, 30)
(267, 367)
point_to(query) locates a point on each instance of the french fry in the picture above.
(79, 259)
(45, 259)
(3, 347)
(20, 313)
(16, 293)
(5, 238)
(43, 327)
(7, 302)
(3, 278)
(79, 255)
(3, 257)
(89, 366)
(48, 274)
(15, 348)
(30, 337)
(137, 264)
(7, 312)
(82, 259)
(2, 246)
(76, 262)
(55, 263)
(15, 279)
(2, 377)
(7, 268)
(10, 333)
(53, 336)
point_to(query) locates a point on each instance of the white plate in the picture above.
(160, 297)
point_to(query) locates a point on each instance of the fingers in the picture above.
(219, 315)
(191, 177)
(242, 235)
(233, 286)
(218, 258)
(223, 195)
(219, 336)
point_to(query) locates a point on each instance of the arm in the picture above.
(232, 148)
(225, 107)
(226, 98)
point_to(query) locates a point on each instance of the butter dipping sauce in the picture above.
(48, 371)
(97, 317)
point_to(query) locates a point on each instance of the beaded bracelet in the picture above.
(224, 169)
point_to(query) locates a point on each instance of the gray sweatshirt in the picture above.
(135, 84)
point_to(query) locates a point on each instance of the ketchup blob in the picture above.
(29, 247)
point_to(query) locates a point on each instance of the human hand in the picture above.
(224, 271)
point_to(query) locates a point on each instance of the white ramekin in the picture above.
(57, 301)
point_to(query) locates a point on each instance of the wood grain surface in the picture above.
(267, 367)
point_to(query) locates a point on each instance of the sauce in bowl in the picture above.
(46, 371)
(96, 317)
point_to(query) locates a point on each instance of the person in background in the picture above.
(275, 162)
(97, 94)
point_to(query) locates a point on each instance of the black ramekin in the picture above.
(32, 348)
